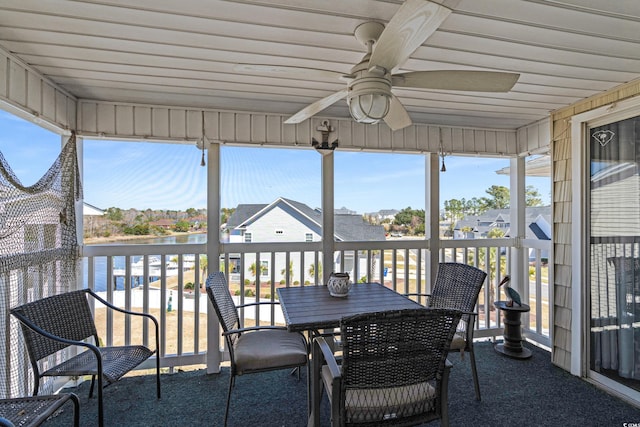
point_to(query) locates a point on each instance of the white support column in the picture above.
(432, 216)
(327, 214)
(214, 355)
(519, 272)
(79, 205)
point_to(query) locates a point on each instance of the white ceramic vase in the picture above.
(339, 284)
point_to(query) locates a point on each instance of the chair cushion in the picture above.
(269, 349)
(386, 403)
(458, 342)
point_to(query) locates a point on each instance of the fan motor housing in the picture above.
(369, 85)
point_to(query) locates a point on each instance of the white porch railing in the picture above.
(157, 278)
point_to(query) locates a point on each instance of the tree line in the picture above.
(412, 221)
(499, 198)
(117, 221)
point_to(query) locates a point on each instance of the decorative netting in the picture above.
(39, 255)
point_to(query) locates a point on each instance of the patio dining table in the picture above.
(313, 309)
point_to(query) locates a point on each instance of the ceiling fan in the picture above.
(368, 91)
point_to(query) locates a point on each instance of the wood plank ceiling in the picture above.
(184, 53)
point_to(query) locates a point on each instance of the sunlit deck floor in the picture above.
(529, 392)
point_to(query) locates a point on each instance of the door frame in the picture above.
(580, 123)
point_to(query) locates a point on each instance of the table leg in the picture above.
(315, 392)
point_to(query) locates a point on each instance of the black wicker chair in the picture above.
(253, 349)
(54, 323)
(34, 410)
(394, 368)
(457, 286)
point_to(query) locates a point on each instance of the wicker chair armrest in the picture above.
(249, 304)
(133, 313)
(419, 297)
(252, 328)
(329, 357)
(49, 335)
(121, 310)
(416, 294)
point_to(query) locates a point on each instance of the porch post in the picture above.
(327, 214)
(214, 356)
(432, 217)
(518, 268)
(79, 205)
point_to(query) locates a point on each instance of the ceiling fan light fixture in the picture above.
(369, 108)
(369, 98)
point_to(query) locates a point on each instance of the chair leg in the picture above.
(36, 385)
(100, 404)
(444, 398)
(476, 384)
(296, 370)
(76, 410)
(310, 384)
(226, 411)
(93, 380)
(158, 375)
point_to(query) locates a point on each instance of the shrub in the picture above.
(181, 226)
(158, 231)
(189, 286)
(137, 230)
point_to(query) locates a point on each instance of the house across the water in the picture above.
(286, 220)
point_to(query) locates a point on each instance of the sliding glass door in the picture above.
(614, 251)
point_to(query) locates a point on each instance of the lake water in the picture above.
(119, 262)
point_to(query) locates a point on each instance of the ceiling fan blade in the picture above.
(287, 71)
(397, 117)
(412, 24)
(316, 107)
(476, 81)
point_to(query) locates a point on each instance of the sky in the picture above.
(169, 176)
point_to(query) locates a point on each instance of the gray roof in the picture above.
(354, 228)
(344, 211)
(485, 222)
(243, 212)
(347, 227)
